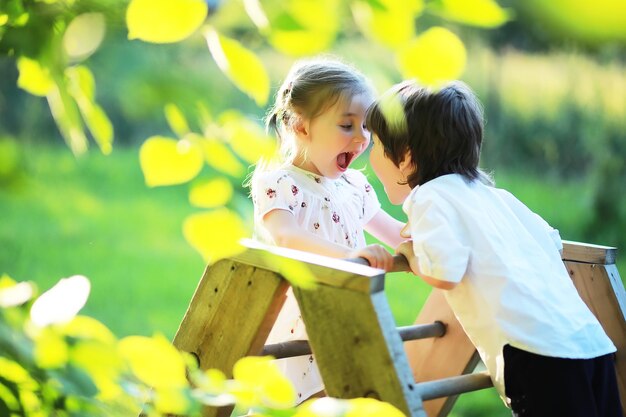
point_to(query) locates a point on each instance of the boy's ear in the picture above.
(406, 165)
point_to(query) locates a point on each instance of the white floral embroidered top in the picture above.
(336, 210)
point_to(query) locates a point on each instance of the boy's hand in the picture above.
(376, 255)
(406, 249)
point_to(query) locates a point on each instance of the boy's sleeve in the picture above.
(437, 240)
(275, 190)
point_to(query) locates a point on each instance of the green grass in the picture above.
(94, 216)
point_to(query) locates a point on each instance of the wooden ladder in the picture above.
(420, 369)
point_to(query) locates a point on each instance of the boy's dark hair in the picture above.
(443, 129)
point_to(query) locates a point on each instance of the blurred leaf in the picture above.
(15, 294)
(176, 119)
(590, 21)
(88, 328)
(166, 161)
(327, 407)
(102, 364)
(371, 407)
(212, 193)
(4, 18)
(62, 302)
(215, 234)
(241, 65)
(82, 88)
(247, 138)
(482, 13)
(262, 376)
(33, 77)
(75, 382)
(51, 350)
(14, 372)
(67, 118)
(171, 401)
(294, 32)
(390, 22)
(154, 360)
(434, 57)
(164, 21)
(220, 157)
(84, 35)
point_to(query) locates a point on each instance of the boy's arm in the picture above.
(385, 228)
(287, 233)
(406, 249)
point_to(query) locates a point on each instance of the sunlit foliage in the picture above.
(72, 365)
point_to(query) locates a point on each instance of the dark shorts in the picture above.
(542, 386)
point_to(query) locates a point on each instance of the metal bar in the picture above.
(400, 264)
(453, 386)
(301, 347)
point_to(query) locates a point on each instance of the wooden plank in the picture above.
(357, 348)
(602, 290)
(230, 316)
(436, 358)
(589, 253)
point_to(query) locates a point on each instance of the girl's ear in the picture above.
(301, 127)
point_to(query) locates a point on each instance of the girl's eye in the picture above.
(346, 127)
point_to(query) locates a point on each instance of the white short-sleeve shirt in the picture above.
(512, 284)
(334, 209)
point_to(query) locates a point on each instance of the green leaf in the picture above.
(166, 161)
(34, 77)
(220, 157)
(215, 234)
(211, 193)
(176, 119)
(240, 65)
(164, 21)
(436, 56)
(67, 118)
(84, 35)
(248, 139)
(482, 13)
(154, 360)
(392, 25)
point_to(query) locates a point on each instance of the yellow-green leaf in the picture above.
(241, 65)
(154, 360)
(212, 193)
(164, 21)
(293, 32)
(176, 119)
(220, 157)
(51, 350)
(392, 23)
(4, 18)
(483, 13)
(81, 82)
(263, 376)
(171, 401)
(84, 35)
(102, 363)
(166, 161)
(370, 407)
(247, 138)
(67, 118)
(88, 328)
(33, 77)
(436, 56)
(215, 234)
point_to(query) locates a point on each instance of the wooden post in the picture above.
(230, 316)
(593, 271)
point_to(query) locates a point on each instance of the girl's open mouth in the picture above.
(344, 159)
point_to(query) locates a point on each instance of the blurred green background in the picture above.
(555, 106)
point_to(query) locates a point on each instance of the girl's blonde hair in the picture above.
(311, 87)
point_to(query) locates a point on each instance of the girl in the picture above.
(311, 200)
(499, 261)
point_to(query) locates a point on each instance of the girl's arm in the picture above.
(286, 232)
(385, 228)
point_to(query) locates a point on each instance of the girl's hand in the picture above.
(376, 255)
